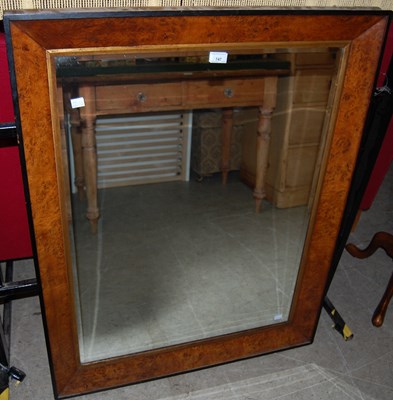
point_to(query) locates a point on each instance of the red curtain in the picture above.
(14, 228)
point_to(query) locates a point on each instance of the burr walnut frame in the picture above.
(34, 40)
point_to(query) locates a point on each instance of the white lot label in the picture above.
(77, 102)
(218, 57)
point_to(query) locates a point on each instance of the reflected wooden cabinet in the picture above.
(298, 123)
(175, 257)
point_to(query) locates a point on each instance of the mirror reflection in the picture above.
(191, 183)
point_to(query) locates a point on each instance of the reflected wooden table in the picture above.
(129, 93)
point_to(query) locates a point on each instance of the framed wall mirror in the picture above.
(187, 175)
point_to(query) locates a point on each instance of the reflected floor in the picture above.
(181, 261)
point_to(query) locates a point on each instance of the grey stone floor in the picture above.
(330, 368)
(180, 261)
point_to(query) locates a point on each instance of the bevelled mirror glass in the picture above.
(187, 179)
(167, 244)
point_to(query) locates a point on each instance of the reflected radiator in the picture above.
(141, 149)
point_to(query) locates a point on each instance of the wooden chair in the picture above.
(384, 241)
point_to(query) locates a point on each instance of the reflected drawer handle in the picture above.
(141, 97)
(228, 92)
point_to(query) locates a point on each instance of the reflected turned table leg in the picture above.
(263, 139)
(89, 152)
(76, 139)
(226, 138)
